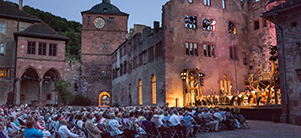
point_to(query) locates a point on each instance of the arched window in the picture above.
(153, 88)
(140, 91)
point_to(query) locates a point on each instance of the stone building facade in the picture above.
(32, 56)
(103, 30)
(287, 18)
(215, 38)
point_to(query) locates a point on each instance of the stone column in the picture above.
(40, 91)
(17, 91)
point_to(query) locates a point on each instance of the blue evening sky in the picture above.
(141, 11)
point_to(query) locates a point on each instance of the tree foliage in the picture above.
(70, 29)
(61, 87)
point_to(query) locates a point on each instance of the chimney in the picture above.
(106, 1)
(156, 26)
(20, 4)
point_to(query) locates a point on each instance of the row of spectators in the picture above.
(132, 121)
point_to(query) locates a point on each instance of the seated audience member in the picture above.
(189, 121)
(64, 131)
(30, 131)
(208, 119)
(95, 132)
(157, 119)
(175, 121)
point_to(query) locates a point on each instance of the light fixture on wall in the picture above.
(161, 91)
(183, 75)
(298, 71)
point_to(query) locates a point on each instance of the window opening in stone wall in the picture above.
(88, 19)
(233, 52)
(208, 24)
(22, 97)
(42, 49)
(103, 45)
(232, 28)
(31, 47)
(144, 56)
(257, 0)
(125, 67)
(111, 19)
(2, 28)
(48, 97)
(190, 22)
(191, 49)
(105, 10)
(106, 45)
(209, 50)
(294, 24)
(121, 69)
(265, 23)
(207, 2)
(224, 4)
(196, 53)
(244, 55)
(150, 54)
(187, 48)
(205, 50)
(140, 91)
(159, 49)
(2, 48)
(120, 35)
(154, 92)
(190, 1)
(256, 24)
(4, 73)
(52, 49)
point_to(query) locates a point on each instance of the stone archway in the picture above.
(29, 87)
(104, 99)
(48, 96)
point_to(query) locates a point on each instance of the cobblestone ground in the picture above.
(258, 129)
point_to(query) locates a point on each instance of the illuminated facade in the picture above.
(226, 41)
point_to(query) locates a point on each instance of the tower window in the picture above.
(105, 10)
(111, 19)
(232, 28)
(190, 21)
(88, 18)
(256, 24)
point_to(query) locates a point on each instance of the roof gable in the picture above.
(9, 11)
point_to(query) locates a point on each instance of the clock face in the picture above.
(99, 23)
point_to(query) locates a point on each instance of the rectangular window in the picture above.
(233, 52)
(187, 48)
(31, 47)
(111, 19)
(2, 28)
(42, 49)
(125, 67)
(232, 28)
(244, 55)
(106, 45)
(224, 4)
(208, 24)
(150, 54)
(2, 48)
(207, 2)
(209, 50)
(4, 73)
(52, 49)
(103, 45)
(88, 18)
(256, 24)
(190, 22)
(196, 53)
(265, 23)
(205, 50)
(190, 1)
(75, 87)
(48, 97)
(159, 49)
(191, 49)
(121, 69)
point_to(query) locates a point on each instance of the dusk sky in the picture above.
(141, 11)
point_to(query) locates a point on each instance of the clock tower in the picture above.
(104, 28)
